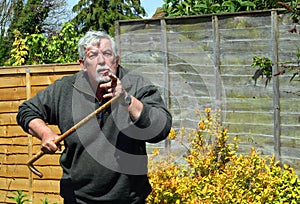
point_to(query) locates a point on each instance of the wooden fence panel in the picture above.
(16, 146)
(208, 61)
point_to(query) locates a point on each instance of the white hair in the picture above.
(92, 38)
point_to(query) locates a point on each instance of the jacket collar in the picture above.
(82, 84)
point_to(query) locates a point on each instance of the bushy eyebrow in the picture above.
(97, 50)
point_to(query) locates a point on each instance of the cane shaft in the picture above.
(67, 133)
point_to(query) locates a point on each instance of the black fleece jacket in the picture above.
(105, 160)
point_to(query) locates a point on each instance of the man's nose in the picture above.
(100, 58)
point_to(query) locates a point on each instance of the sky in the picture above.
(149, 5)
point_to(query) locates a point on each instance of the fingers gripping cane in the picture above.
(67, 133)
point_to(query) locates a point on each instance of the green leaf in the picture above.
(230, 5)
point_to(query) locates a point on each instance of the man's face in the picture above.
(99, 61)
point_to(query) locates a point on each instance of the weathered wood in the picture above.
(38, 79)
(30, 137)
(13, 184)
(12, 81)
(50, 172)
(15, 171)
(22, 158)
(11, 131)
(8, 94)
(40, 185)
(276, 95)
(8, 119)
(192, 52)
(9, 106)
(7, 149)
(4, 193)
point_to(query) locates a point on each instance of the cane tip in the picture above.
(35, 171)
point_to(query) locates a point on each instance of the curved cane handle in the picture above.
(67, 133)
(32, 160)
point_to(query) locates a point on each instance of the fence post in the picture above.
(276, 93)
(216, 49)
(165, 59)
(30, 139)
(117, 38)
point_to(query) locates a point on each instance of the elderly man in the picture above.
(105, 160)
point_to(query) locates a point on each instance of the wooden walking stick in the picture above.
(67, 133)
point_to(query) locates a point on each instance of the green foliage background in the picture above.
(198, 7)
(38, 49)
(101, 14)
(26, 18)
(26, 42)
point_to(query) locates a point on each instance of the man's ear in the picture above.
(81, 63)
(117, 59)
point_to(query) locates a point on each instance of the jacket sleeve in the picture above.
(155, 120)
(40, 106)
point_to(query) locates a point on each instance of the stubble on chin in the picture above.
(103, 78)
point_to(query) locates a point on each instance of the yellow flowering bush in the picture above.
(210, 170)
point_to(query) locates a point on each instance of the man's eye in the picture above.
(107, 54)
(92, 56)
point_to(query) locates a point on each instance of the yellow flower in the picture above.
(207, 110)
(155, 152)
(172, 135)
(201, 125)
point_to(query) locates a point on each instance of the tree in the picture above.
(28, 17)
(9, 9)
(101, 14)
(6, 13)
(58, 14)
(198, 7)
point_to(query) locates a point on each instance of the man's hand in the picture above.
(48, 146)
(39, 128)
(113, 88)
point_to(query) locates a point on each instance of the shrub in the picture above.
(211, 171)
